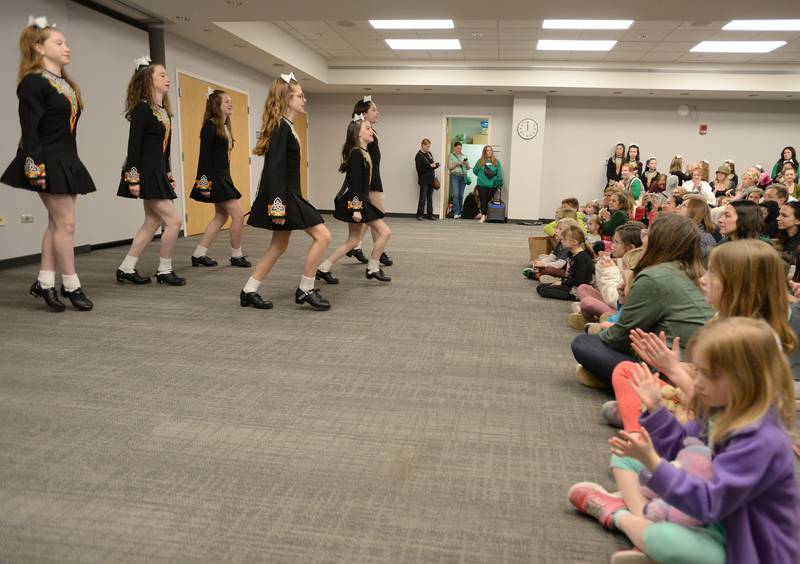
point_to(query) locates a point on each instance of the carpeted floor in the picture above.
(434, 419)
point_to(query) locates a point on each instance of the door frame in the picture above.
(446, 156)
(178, 72)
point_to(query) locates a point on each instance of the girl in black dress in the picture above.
(649, 174)
(369, 110)
(213, 183)
(47, 157)
(353, 204)
(635, 158)
(146, 174)
(614, 165)
(279, 205)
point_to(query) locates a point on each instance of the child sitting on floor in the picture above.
(552, 266)
(579, 268)
(592, 229)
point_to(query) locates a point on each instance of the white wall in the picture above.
(582, 132)
(404, 121)
(103, 51)
(188, 57)
(527, 159)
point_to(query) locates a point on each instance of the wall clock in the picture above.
(527, 128)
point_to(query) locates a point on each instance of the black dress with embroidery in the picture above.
(213, 168)
(354, 195)
(374, 150)
(147, 163)
(48, 117)
(279, 193)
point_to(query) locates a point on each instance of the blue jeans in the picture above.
(457, 184)
(597, 357)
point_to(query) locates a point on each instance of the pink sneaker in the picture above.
(594, 500)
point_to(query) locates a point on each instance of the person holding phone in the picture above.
(458, 165)
(425, 172)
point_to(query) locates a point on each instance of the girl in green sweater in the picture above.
(490, 178)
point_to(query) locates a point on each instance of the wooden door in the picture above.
(301, 127)
(192, 96)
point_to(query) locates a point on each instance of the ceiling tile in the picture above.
(733, 36)
(560, 34)
(662, 56)
(601, 34)
(447, 55)
(586, 56)
(655, 24)
(475, 24)
(693, 36)
(309, 25)
(636, 46)
(480, 54)
(403, 33)
(478, 44)
(412, 55)
(517, 45)
(520, 34)
(382, 54)
(675, 46)
(470, 33)
(792, 47)
(551, 55)
(715, 25)
(734, 58)
(624, 56)
(699, 58)
(370, 45)
(777, 57)
(516, 54)
(520, 24)
(650, 35)
(332, 41)
(358, 24)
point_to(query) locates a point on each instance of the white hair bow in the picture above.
(358, 117)
(288, 78)
(210, 92)
(367, 98)
(40, 22)
(637, 144)
(142, 62)
(678, 156)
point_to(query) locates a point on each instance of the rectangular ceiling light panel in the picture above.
(424, 44)
(574, 45)
(762, 25)
(412, 24)
(737, 46)
(587, 24)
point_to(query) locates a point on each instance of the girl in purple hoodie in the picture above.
(743, 406)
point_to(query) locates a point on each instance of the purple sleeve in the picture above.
(667, 433)
(739, 476)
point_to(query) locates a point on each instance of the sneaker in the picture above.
(588, 379)
(610, 411)
(456, 217)
(594, 500)
(528, 273)
(632, 556)
(576, 321)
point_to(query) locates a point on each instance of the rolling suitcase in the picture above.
(496, 211)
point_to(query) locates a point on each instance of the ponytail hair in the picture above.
(274, 109)
(350, 142)
(574, 232)
(30, 61)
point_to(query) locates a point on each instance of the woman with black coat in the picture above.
(426, 177)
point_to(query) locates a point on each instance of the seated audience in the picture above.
(620, 205)
(789, 230)
(734, 178)
(571, 203)
(788, 156)
(579, 268)
(722, 183)
(650, 173)
(676, 169)
(696, 209)
(769, 214)
(741, 220)
(699, 186)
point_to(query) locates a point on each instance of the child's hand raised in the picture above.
(637, 445)
(647, 386)
(655, 352)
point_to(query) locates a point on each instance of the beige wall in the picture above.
(582, 132)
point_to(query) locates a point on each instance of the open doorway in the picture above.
(473, 133)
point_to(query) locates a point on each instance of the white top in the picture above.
(705, 189)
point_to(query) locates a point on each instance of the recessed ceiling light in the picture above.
(428, 89)
(762, 25)
(651, 93)
(412, 24)
(752, 95)
(397, 90)
(345, 23)
(552, 91)
(736, 46)
(424, 44)
(367, 89)
(586, 24)
(684, 93)
(617, 92)
(477, 35)
(574, 45)
(183, 18)
(490, 89)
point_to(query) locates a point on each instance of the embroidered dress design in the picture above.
(63, 88)
(276, 208)
(355, 204)
(34, 171)
(132, 176)
(162, 116)
(203, 183)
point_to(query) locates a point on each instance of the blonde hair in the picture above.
(483, 159)
(274, 109)
(676, 165)
(574, 232)
(566, 223)
(30, 61)
(751, 175)
(566, 212)
(764, 296)
(747, 355)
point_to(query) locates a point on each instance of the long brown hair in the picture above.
(745, 352)
(214, 113)
(350, 142)
(764, 295)
(697, 210)
(673, 238)
(483, 158)
(30, 61)
(140, 89)
(274, 109)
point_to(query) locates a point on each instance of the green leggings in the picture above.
(669, 543)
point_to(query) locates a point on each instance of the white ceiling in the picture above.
(316, 40)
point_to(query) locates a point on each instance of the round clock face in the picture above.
(527, 128)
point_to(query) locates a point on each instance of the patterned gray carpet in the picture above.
(434, 419)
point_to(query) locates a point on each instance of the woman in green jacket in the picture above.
(490, 178)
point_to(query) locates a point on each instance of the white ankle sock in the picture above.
(47, 279)
(306, 283)
(373, 265)
(357, 247)
(164, 265)
(252, 285)
(70, 282)
(200, 251)
(325, 266)
(236, 253)
(129, 264)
